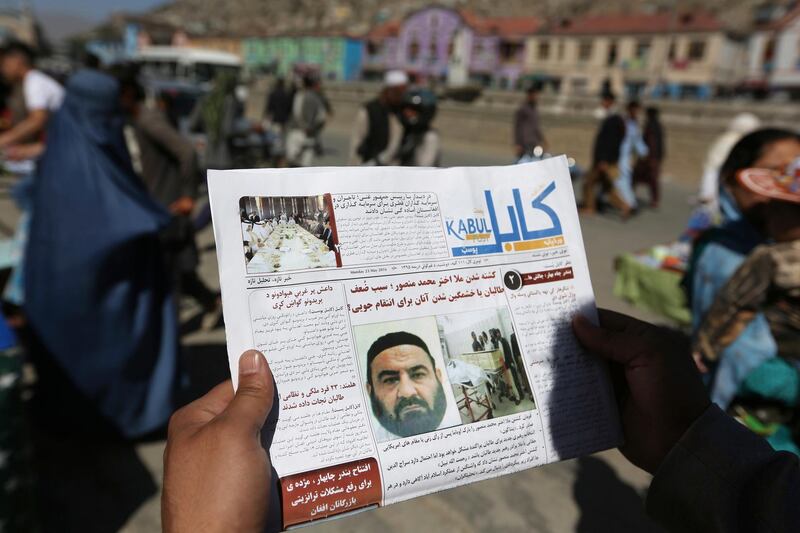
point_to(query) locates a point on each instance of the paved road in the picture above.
(110, 486)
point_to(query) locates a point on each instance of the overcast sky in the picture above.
(92, 9)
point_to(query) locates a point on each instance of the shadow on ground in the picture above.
(607, 504)
(89, 479)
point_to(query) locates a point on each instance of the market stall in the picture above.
(651, 280)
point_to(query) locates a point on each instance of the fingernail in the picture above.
(250, 363)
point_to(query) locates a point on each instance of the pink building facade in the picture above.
(425, 43)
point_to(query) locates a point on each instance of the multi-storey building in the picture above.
(662, 53)
(441, 43)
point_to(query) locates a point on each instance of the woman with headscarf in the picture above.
(719, 252)
(741, 125)
(97, 294)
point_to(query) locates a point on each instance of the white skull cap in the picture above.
(395, 78)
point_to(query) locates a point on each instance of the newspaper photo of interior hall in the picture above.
(284, 233)
(484, 364)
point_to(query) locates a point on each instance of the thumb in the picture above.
(600, 341)
(255, 395)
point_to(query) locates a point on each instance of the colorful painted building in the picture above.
(221, 43)
(334, 57)
(435, 41)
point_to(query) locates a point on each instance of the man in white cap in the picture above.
(377, 132)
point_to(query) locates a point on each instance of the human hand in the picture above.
(661, 393)
(19, 152)
(699, 362)
(182, 206)
(217, 475)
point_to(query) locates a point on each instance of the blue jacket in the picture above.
(720, 253)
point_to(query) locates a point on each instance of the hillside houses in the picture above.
(657, 54)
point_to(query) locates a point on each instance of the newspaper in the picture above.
(417, 323)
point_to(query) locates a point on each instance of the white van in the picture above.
(191, 65)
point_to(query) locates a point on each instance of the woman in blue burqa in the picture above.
(97, 295)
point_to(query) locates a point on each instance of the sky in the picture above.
(95, 10)
(63, 18)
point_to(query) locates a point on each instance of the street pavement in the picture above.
(114, 486)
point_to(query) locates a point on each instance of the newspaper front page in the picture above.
(417, 323)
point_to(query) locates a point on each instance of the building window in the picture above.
(585, 51)
(797, 61)
(769, 55)
(413, 50)
(509, 50)
(642, 50)
(479, 49)
(611, 59)
(560, 50)
(697, 50)
(432, 52)
(544, 50)
(672, 51)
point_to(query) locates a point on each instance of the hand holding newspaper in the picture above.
(417, 323)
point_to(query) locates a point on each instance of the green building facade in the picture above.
(334, 57)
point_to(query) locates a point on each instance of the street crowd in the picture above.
(109, 183)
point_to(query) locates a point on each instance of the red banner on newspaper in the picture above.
(330, 491)
(547, 276)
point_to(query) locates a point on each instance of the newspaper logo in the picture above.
(469, 229)
(490, 240)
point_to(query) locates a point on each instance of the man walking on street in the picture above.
(527, 129)
(648, 169)
(305, 123)
(278, 110)
(279, 104)
(377, 132)
(607, 144)
(167, 163)
(23, 142)
(43, 95)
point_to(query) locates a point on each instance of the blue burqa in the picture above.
(97, 293)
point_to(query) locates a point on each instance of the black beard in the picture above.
(414, 423)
